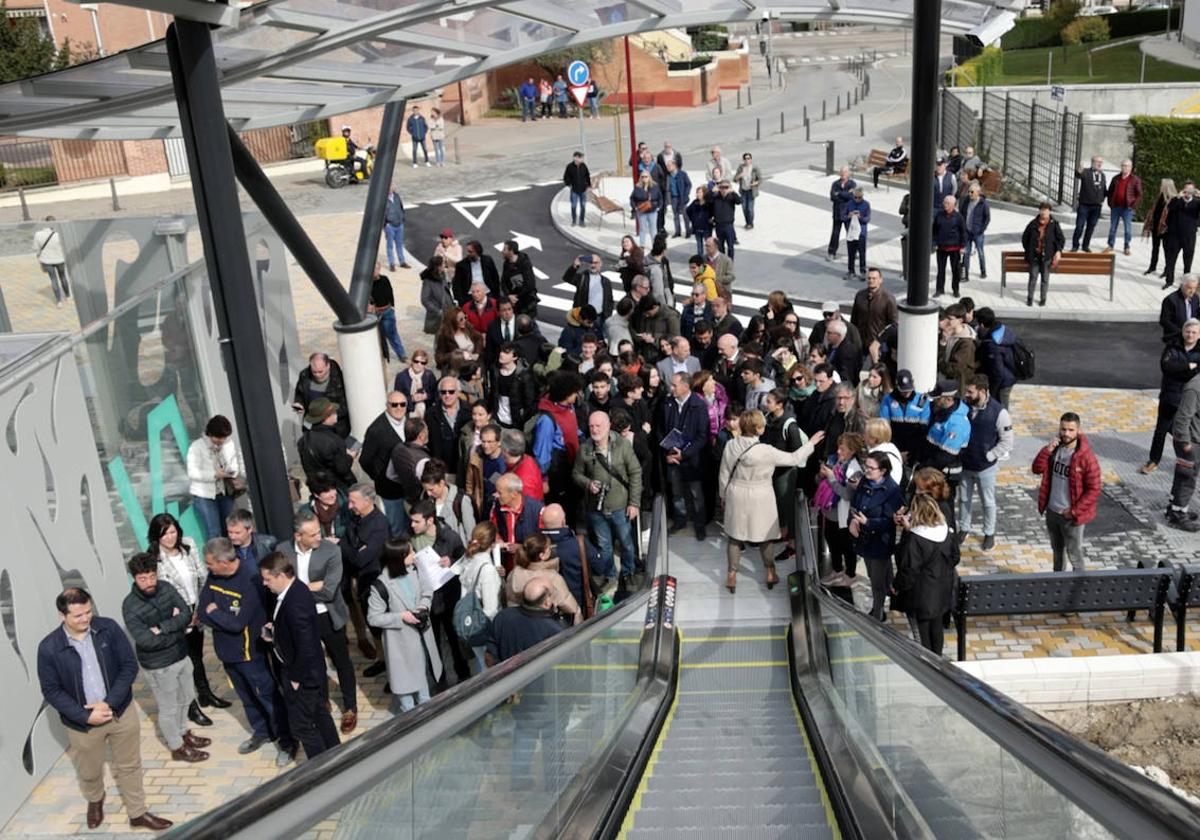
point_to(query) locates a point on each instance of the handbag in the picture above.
(471, 623)
(645, 206)
(234, 487)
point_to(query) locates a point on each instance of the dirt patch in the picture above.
(1145, 733)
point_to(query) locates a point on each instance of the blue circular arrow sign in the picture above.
(578, 73)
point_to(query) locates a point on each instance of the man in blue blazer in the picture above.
(299, 658)
(687, 414)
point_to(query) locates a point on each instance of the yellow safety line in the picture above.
(636, 803)
(842, 634)
(737, 639)
(812, 761)
(764, 663)
(735, 691)
(636, 641)
(852, 659)
(573, 667)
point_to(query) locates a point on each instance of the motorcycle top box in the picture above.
(331, 148)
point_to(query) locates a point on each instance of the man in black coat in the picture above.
(840, 192)
(1179, 306)
(299, 658)
(407, 458)
(685, 412)
(366, 532)
(322, 378)
(578, 180)
(501, 330)
(446, 420)
(518, 284)
(383, 435)
(512, 391)
(530, 340)
(1183, 214)
(322, 448)
(475, 265)
(1093, 185)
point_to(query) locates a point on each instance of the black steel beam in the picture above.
(377, 192)
(219, 216)
(927, 22)
(275, 209)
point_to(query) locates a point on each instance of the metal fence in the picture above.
(1031, 144)
(26, 163)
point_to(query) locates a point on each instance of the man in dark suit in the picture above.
(943, 184)
(383, 435)
(687, 413)
(681, 360)
(500, 331)
(297, 650)
(318, 564)
(475, 265)
(362, 550)
(1179, 306)
(1183, 216)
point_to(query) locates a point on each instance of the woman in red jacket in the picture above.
(1070, 489)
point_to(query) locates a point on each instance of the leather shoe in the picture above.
(148, 820)
(95, 813)
(206, 698)
(195, 740)
(349, 721)
(189, 754)
(196, 716)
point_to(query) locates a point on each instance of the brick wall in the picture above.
(143, 157)
(475, 93)
(86, 160)
(269, 145)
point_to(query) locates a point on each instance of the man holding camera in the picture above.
(608, 473)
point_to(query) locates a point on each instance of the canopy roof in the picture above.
(290, 61)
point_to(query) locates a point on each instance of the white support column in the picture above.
(918, 338)
(362, 368)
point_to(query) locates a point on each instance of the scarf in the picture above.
(564, 416)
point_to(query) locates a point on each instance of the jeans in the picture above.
(419, 144)
(1066, 538)
(726, 238)
(408, 702)
(578, 200)
(594, 106)
(212, 513)
(547, 108)
(687, 498)
(1085, 222)
(679, 212)
(480, 662)
(700, 237)
(173, 690)
(58, 280)
(857, 249)
(955, 258)
(387, 327)
(605, 526)
(986, 481)
(748, 207)
(975, 244)
(397, 517)
(394, 234)
(309, 719)
(1040, 268)
(646, 228)
(527, 110)
(439, 152)
(260, 697)
(1123, 215)
(562, 108)
(1184, 483)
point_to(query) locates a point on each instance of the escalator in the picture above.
(827, 725)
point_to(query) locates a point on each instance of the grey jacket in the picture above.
(324, 565)
(1186, 428)
(402, 643)
(624, 469)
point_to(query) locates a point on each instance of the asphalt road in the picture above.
(1071, 353)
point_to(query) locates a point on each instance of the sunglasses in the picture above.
(799, 380)
(791, 322)
(397, 404)
(448, 392)
(420, 361)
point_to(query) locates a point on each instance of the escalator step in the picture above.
(729, 780)
(707, 797)
(748, 831)
(730, 816)
(715, 765)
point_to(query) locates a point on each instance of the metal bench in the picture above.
(1060, 592)
(878, 157)
(1069, 262)
(1184, 593)
(606, 205)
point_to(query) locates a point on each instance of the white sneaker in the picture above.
(414, 166)
(427, 163)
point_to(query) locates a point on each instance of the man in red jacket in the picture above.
(1070, 489)
(1124, 195)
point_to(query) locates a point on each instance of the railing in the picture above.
(26, 163)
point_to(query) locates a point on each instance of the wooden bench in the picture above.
(990, 180)
(1109, 590)
(607, 205)
(878, 158)
(1069, 262)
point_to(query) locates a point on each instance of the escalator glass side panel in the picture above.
(938, 765)
(503, 773)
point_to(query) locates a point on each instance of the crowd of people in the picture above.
(541, 99)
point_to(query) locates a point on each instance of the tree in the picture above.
(557, 61)
(24, 50)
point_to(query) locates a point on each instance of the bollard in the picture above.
(749, 95)
(807, 131)
(720, 103)
(112, 186)
(839, 107)
(739, 98)
(456, 158)
(862, 125)
(847, 100)
(828, 157)
(805, 114)
(24, 207)
(758, 128)
(822, 110)
(856, 96)
(781, 129)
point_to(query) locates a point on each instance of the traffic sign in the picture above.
(578, 73)
(1058, 93)
(579, 94)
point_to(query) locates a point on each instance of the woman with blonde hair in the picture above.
(535, 558)
(925, 561)
(744, 482)
(878, 434)
(477, 572)
(1155, 225)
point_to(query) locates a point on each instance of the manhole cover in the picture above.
(1111, 516)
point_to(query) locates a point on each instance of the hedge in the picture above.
(1165, 147)
(1046, 31)
(985, 69)
(1028, 33)
(1124, 24)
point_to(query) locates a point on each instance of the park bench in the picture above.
(1183, 592)
(1115, 590)
(878, 157)
(606, 205)
(1069, 262)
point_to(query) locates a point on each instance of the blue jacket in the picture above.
(985, 434)
(547, 439)
(864, 212)
(60, 672)
(980, 219)
(909, 419)
(653, 195)
(687, 319)
(394, 214)
(839, 195)
(942, 187)
(679, 186)
(528, 91)
(995, 355)
(879, 502)
(566, 547)
(701, 218)
(945, 441)
(240, 614)
(949, 231)
(416, 127)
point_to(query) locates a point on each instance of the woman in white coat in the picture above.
(751, 516)
(214, 470)
(399, 606)
(477, 572)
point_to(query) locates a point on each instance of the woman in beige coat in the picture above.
(751, 516)
(535, 559)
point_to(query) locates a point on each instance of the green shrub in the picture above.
(987, 68)
(1165, 147)
(3, 176)
(1085, 30)
(710, 38)
(1044, 31)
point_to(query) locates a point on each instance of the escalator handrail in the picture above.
(1116, 795)
(290, 803)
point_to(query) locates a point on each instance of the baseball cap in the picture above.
(944, 388)
(447, 233)
(904, 380)
(830, 306)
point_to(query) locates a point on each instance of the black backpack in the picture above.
(1023, 361)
